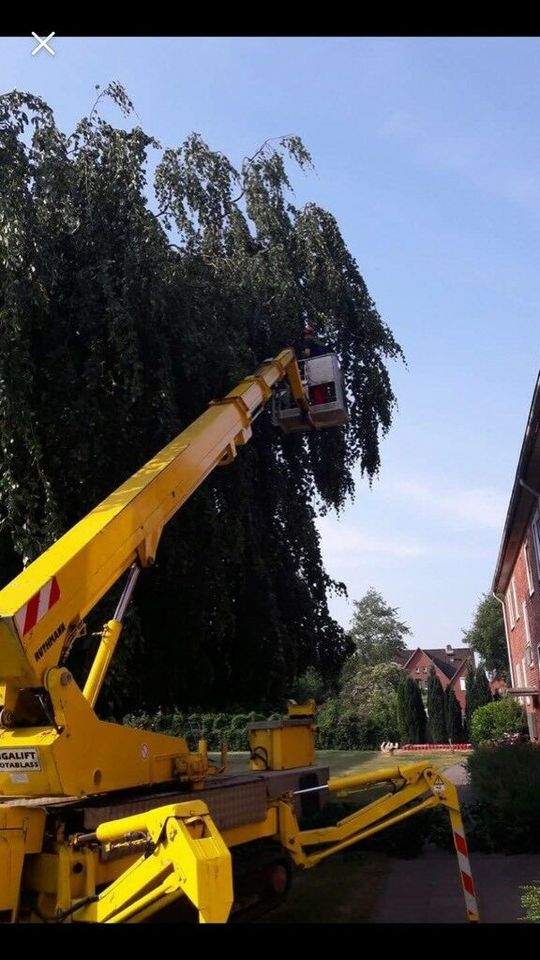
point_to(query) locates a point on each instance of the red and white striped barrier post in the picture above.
(447, 794)
(467, 882)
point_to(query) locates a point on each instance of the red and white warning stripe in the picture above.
(466, 874)
(36, 608)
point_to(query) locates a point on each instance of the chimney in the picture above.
(449, 651)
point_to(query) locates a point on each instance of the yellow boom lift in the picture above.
(104, 823)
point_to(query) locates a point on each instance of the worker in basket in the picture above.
(312, 347)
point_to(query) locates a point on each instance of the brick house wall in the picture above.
(458, 685)
(516, 581)
(522, 625)
(420, 663)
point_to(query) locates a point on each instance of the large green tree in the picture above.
(371, 691)
(487, 636)
(376, 632)
(128, 300)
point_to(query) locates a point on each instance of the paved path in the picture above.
(428, 889)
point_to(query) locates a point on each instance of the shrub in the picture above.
(221, 722)
(338, 727)
(309, 686)
(213, 727)
(506, 781)
(207, 723)
(177, 725)
(404, 840)
(342, 729)
(147, 721)
(530, 901)
(495, 719)
(477, 830)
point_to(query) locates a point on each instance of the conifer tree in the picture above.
(435, 708)
(411, 715)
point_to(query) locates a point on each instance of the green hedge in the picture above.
(339, 729)
(530, 901)
(216, 728)
(506, 783)
(336, 728)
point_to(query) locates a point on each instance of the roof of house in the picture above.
(402, 656)
(522, 501)
(448, 663)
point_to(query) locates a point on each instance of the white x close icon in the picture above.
(43, 44)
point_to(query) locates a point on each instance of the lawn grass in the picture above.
(342, 889)
(343, 762)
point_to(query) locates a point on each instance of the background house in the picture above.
(517, 575)
(450, 665)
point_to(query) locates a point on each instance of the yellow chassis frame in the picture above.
(131, 868)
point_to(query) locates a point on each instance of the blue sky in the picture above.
(428, 153)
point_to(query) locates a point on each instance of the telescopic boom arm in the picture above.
(44, 606)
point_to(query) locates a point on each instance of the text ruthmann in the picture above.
(47, 644)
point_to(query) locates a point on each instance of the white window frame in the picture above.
(520, 679)
(530, 579)
(507, 637)
(510, 611)
(510, 606)
(535, 527)
(462, 683)
(526, 700)
(528, 651)
(514, 596)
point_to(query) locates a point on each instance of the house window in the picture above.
(418, 669)
(425, 669)
(514, 597)
(528, 652)
(462, 683)
(511, 619)
(510, 606)
(536, 539)
(530, 580)
(520, 679)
